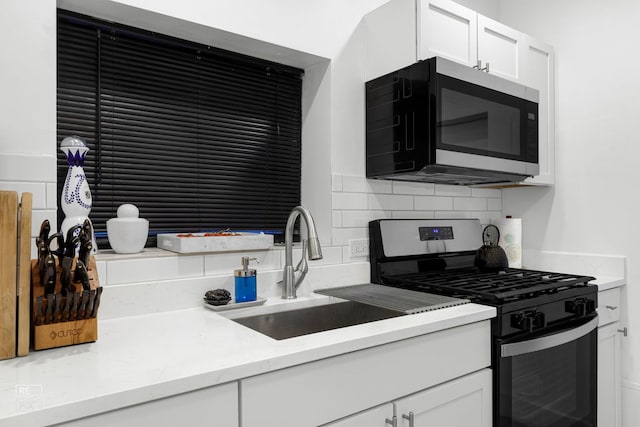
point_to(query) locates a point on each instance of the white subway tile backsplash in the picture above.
(494, 204)
(379, 186)
(362, 218)
(52, 196)
(354, 184)
(336, 219)
(434, 203)
(486, 192)
(452, 190)
(133, 299)
(27, 167)
(150, 269)
(488, 217)
(38, 190)
(358, 184)
(349, 200)
(335, 275)
(469, 204)
(452, 214)
(412, 214)
(416, 188)
(227, 262)
(330, 255)
(341, 236)
(390, 202)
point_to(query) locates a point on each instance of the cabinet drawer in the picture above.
(319, 392)
(609, 306)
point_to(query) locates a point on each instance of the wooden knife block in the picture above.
(66, 333)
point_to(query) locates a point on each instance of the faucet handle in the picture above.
(302, 266)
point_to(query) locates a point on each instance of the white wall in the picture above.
(594, 204)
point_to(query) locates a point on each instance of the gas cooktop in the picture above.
(488, 287)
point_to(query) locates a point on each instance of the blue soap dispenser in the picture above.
(245, 282)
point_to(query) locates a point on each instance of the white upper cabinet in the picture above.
(500, 48)
(537, 72)
(454, 32)
(448, 30)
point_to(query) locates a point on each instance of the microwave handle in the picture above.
(542, 343)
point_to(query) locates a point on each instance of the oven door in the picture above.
(549, 379)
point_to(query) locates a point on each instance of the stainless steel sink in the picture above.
(292, 323)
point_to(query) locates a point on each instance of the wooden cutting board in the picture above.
(8, 262)
(24, 274)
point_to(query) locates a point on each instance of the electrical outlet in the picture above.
(359, 247)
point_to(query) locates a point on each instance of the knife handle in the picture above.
(48, 318)
(73, 314)
(38, 315)
(96, 302)
(67, 307)
(89, 309)
(57, 314)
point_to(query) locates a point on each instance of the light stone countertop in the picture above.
(142, 358)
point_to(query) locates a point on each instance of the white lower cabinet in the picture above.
(421, 369)
(463, 402)
(609, 359)
(213, 406)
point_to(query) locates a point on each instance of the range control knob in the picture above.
(580, 306)
(528, 320)
(538, 320)
(576, 307)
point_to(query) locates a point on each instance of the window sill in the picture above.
(111, 255)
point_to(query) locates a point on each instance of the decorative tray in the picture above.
(234, 305)
(214, 242)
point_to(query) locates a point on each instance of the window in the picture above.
(198, 138)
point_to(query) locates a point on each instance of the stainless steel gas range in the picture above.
(544, 338)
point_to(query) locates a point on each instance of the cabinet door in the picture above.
(538, 73)
(500, 47)
(609, 376)
(375, 417)
(465, 402)
(213, 406)
(448, 30)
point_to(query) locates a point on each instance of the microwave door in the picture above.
(479, 121)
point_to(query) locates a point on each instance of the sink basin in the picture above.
(292, 323)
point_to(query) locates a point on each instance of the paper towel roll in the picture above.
(511, 239)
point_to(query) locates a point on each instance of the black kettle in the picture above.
(491, 257)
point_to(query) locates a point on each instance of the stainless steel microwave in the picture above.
(443, 122)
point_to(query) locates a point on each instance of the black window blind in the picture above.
(198, 138)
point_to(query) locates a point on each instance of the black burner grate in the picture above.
(506, 285)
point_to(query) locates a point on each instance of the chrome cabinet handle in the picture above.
(611, 307)
(486, 68)
(393, 422)
(623, 331)
(478, 66)
(409, 417)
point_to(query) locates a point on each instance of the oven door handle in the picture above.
(542, 343)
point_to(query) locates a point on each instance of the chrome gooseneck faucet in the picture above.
(289, 280)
